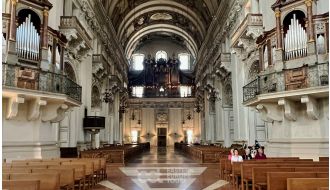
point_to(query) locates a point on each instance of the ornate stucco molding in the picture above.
(289, 109)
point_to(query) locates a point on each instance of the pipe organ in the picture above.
(295, 41)
(27, 40)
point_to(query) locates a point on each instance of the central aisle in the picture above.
(162, 169)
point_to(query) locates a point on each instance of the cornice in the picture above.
(221, 24)
(97, 20)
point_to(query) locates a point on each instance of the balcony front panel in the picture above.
(306, 77)
(35, 79)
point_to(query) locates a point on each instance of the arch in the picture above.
(253, 70)
(35, 18)
(300, 16)
(192, 46)
(69, 71)
(165, 6)
(161, 55)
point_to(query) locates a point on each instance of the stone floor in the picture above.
(163, 169)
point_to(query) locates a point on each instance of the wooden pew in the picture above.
(277, 180)
(306, 183)
(48, 181)
(21, 184)
(80, 173)
(246, 167)
(66, 176)
(259, 174)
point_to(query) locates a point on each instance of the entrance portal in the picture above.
(161, 137)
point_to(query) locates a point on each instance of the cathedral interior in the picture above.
(155, 94)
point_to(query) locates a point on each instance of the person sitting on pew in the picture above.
(231, 153)
(235, 157)
(247, 155)
(260, 155)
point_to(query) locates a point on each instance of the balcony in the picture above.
(250, 28)
(41, 83)
(80, 41)
(292, 83)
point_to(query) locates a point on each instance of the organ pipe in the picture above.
(295, 41)
(27, 40)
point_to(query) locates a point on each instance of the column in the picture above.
(62, 59)
(311, 46)
(12, 57)
(278, 65)
(310, 20)
(44, 41)
(278, 28)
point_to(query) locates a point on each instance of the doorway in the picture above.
(161, 137)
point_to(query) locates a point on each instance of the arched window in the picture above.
(161, 55)
(137, 62)
(184, 61)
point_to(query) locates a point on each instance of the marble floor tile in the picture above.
(163, 169)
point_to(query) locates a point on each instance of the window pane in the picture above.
(161, 55)
(138, 62)
(185, 91)
(184, 61)
(137, 91)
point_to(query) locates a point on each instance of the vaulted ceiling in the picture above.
(139, 21)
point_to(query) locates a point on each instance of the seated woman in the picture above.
(247, 155)
(236, 157)
(260, 154)
(231, 154)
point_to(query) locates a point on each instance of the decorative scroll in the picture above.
(295, 41)
(27, 40)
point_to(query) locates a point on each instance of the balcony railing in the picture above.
(290, 79)
(35, 79)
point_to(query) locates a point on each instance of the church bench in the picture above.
(48, 181)
(278, 180)
(259, 174)
(246, 168)
(306, 183)
(89, 170)
(66, 176)
(21, 184)
(79, 171)
(16, 170)
(323, 188)
(326, 159)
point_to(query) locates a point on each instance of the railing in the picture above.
(291, 79)
(251, 90)
(35, 79)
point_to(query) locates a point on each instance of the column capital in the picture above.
(277, 13)
(308, 3)
(46, 12)
(14, 2)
